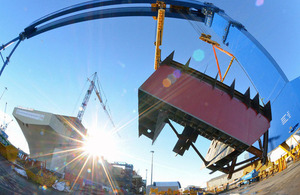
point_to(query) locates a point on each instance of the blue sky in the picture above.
(49, 72)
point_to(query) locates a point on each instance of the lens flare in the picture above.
(166, 82)
(259, 2)
(177, 74)
(198, 55)
(172, 78)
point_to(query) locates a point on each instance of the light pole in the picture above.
(146, 176)
(151, 167)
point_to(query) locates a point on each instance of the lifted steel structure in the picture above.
(207, 107)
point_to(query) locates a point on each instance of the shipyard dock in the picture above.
(12, 183)
(286, 182)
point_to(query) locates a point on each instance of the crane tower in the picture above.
(87, 96)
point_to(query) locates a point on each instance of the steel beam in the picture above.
(233, 33)
(9, 56)
(265, 147)
(193, 146)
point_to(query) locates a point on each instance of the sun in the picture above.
(100, 144)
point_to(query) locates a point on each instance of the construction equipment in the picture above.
(87, 96)
(207, 38)
(125, 177)
(159, 31)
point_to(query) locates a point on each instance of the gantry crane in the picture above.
(87, 96)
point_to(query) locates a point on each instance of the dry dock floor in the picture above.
(12, 183)
(285, 182)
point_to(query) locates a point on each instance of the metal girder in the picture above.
(265, 147)
(233, 33)
(180, 137)
(9, 56)
(2, 47)
(107, 13)
(103, 3)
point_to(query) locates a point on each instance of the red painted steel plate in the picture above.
(210, 105)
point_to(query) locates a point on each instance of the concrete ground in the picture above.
(285, 182)
(12, 183)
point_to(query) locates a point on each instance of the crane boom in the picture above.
(86, 98)
(88, 95)
(103, 105)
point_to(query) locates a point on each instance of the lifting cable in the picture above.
(104, 105)
(98, 89)
(261, 99)
(207, 39)
(198, 27)
(200, 30)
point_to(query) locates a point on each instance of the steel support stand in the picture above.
(231, 168)
(191, 143)
(260, 144)
(265, 147)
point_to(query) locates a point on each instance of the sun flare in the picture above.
(100, 144)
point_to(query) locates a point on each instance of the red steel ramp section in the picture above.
(203, 105)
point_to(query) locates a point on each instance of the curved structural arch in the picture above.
(248, 51)
(264, 72)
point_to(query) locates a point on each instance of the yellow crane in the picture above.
(161, 6)
(159, 31)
